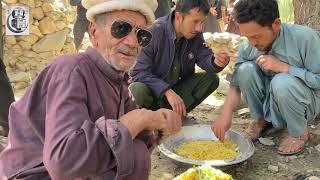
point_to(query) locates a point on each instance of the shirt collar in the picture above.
(278, 41)
(104, 67)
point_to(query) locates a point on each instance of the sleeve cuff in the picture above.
(215, 66)
(297, 72)
(119, 139)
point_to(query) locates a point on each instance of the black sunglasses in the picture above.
(121, 29)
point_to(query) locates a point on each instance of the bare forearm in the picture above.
(232, 100)
(134, 128)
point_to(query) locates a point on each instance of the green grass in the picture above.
(286, 10)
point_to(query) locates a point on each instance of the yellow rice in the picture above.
(208, 150)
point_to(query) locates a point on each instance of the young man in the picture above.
(278, 73)
(77, 121)
(164, 75)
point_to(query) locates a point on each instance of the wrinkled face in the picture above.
(260, 37)
(189, 25)
(120, 53)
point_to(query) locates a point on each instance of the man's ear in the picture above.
(276, 25)
(92, 30)
(178, 16)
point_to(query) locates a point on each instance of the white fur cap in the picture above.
(145, 7)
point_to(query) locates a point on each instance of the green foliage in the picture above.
(286, 10)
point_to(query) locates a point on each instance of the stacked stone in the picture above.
(50, 36)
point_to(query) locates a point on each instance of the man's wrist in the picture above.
(285, 68)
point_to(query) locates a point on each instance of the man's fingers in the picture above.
(179, 109)
(184, 110)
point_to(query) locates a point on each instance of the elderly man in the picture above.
(165, 71)
(278, 73)
(77, 121)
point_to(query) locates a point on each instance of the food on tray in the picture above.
(208, 150)
(203, 173)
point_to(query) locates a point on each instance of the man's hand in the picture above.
(163, 120)
(173, 122)
(270, 63)
(221, 126)
(141, 119)
(221, 59)
(213, 11)
(176, 102)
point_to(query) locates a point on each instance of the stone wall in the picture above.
(50, 35)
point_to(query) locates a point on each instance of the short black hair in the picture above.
(184, 6)
(263, 12)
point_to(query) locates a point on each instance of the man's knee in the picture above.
(213, 80)
(282, 85)
(141, 92)
(247, 69)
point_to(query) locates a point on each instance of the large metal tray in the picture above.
(204, 132)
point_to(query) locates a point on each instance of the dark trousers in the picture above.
(193, 90)
(6, 98)
(79, 29)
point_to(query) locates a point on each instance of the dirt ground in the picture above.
(265, 164)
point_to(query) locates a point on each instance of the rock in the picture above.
(36, 31)
(51, 42)
(313, 178)
(55, 15)
(243, 112)
(24, 60)
(315, 131)
(10, 40)
(283, 166)
(37, 13)
(36, 22)
(292, 157)
(20, 85)
(25, 45)
(317, 147)
(46, 55)
(29, 38)
(46, 7)
(10, 2)
(38, 3)
(266, 141)
(21, 66)
(310, 149)
(60, 25)
(3, 18)
(69, 48)
(273, 168)
(30, 54)
(19, 77)
(47, 26)
(30, 3)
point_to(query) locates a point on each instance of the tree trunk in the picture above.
(307, 12)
